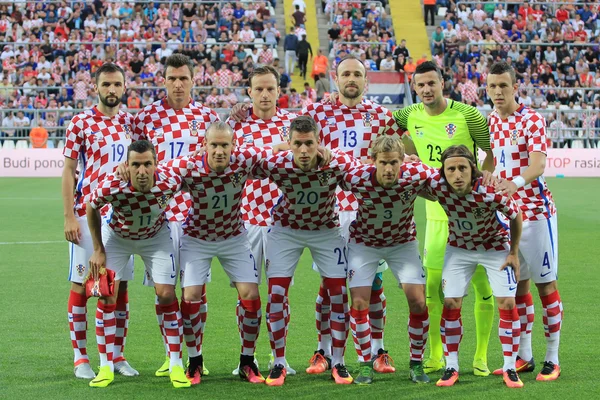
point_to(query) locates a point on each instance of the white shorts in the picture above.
(234, 254)
(460, 265)
(285, 247)
(79, 255)
(346, 219)
(404, 261)
(257, 238)
(156, 253)
(538, 251)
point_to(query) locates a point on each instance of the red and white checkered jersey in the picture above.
(308, 198)
(260, 194)
(216, 197)
(174, 133)
(512, 140)
(352, 130)
(99, 143)
(473, 221)
(385, 216)
(136, 215)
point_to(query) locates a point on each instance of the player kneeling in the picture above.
(476, 236)
(137, 226)
(384, 229)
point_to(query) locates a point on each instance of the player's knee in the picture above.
(506, 303)
(165, 294)
(546, 288)
(360, 303)
(78, 288)
(417, 305)
(452, 303)
(123, 287)
(248, 291)
(193, 293)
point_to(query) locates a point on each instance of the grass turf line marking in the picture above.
(40, 242)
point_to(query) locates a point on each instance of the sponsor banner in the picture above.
(569, 162)
(31, 163)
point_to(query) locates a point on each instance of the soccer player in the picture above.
(96, 143)
(519, 146)
(384, 229)
(176, 126)
(435, 124)
(215, 229)
(262, 125)
(477, 236)
(137, 225)
(305, 217)
(350, 124)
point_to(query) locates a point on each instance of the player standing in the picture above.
(305, 217)
(262, 125)
(434, 125)
(215, 228)
(384, 229)
(137, 225)
(350, 124)
(477, 236)
(175, 125)
(519, 146)
(97, 141)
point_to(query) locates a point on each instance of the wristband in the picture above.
(519, 181)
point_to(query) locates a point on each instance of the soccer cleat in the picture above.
(511, 378)
(164, 368)
(549, 372)
(276, 376)
(251, 374)
(521, 366)
(365, 374)
(105, 377)
(179, 378)
(84, 371)
(237, 370)
(383, 363)
(289, 370)
(340, 375)
(416, 373)
(123, 368)
(480, 368)
(195, 369)
(431, 365)
(318, 363)
(449, 378)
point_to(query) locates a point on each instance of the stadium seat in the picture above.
(9, 145)
(259, 41)
(22, 144)
(210, 42)
(50, 144)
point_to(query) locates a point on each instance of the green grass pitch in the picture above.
(36, 355)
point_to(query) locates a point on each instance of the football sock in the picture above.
(106, 326)
(340, 317)
(377, 313)
(451, 332)
(122, 316)
(190, 313)
(526, 316)
(173, 327)
(509, 332)
(361, 333)
(322, 312)
(418, 331)
(435, 304)
(77, 316)
(249, 324)
(159, 319)
(484, 312)
(552, 319)
(203, 316)
(277, 317)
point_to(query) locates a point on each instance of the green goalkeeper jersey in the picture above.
(458, 124)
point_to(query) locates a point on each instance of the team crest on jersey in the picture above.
(163, 200)
(367, 119)
(405, 196)
(194, 127)
(236, 179)
(479, 212)
(324, 178)
(80, 268)
(450, 130)
(284, 131)
(127, 131)
(514, 137)
(350, 274)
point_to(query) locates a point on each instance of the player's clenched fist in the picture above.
(72, 231)
(97, 261)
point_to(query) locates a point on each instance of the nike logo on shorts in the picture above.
(546, 274)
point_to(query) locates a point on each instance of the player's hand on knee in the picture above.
(239, 112)
(72, 230)
(122, 172)
(97, 262)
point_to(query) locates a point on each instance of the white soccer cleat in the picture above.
(84, 371)
(123, 368)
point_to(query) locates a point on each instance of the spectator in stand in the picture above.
(38, 137)
(290, 46)
(298, 17)
(429, 7)
(320, 64)
(322, 86)
(303, 50)
(387, 64)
